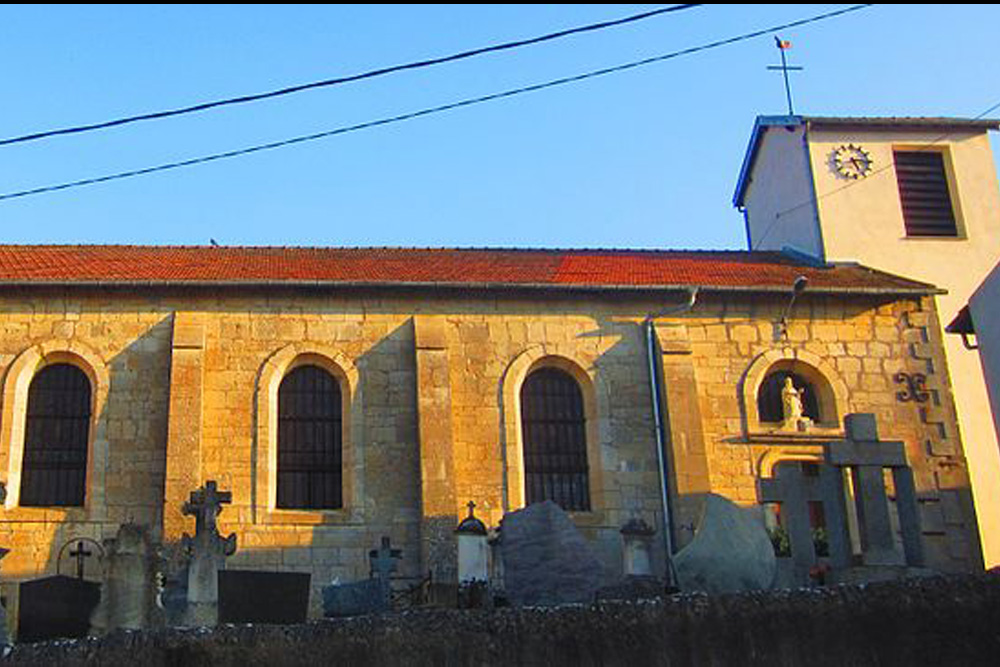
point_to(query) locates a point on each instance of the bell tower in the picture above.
(917, 197)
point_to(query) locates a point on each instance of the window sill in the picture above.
(54, 514)
(303, 517)
(776, 434)
(933, 237)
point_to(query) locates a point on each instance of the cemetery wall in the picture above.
(185, 386)
(934, 621)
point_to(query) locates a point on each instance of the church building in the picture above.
(346, 395)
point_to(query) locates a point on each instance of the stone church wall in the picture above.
(185, 385)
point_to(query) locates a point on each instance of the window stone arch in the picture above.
(595, 396)
(16, 387)
(828, 395)
(265, 484)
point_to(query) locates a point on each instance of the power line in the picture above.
(424, 112)
(346, 79)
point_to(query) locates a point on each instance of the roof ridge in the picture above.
(516, 249)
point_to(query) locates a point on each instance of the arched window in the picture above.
(310, 435)
(555, 440)
(769, 402)
(56, 438)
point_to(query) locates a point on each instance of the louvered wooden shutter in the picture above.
(923, 192)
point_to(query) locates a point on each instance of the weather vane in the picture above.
(785, 68)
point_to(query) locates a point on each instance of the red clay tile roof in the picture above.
(595, 269)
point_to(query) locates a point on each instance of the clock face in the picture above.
(852, 161)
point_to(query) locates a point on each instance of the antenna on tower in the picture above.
(785, 68)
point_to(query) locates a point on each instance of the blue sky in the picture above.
(647, 158)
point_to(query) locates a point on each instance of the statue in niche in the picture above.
(792, 407)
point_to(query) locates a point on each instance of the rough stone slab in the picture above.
(546, 560)
(730, 553)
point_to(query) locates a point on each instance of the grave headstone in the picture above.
(81, 557)
(56, 607)
(247, 596)
(129, 596)
(365, 597)
(473, 549)
(207, 552)
(867, 457)
(354, 599)
(636, 548)
(731, 551)
(794, 492)
(546, 561)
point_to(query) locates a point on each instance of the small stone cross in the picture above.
(81, 554)
(206, 505)
(383, 560)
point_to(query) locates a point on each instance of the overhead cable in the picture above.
(421, 113)
(204, 106)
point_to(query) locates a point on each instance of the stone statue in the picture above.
(792, 406)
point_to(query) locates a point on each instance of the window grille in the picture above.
(310, 434)
(56, 437)
(770, 407)
(555, 440)
(924, 194)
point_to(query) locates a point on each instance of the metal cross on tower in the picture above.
(785, 68)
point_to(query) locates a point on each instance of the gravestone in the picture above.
(247, 596)
(81, 557)
(130, 593)
(731, 551)
(794, 491)
(365, 597)
(546, 561)
(57, 607)
(868, 458)
(354, 599)
(207, 552)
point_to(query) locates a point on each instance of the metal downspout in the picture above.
(656, 391)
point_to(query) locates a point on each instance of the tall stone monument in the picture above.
(206, 552)
(130, 594)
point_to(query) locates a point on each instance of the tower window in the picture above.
(924, 194)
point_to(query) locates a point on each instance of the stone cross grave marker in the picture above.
(867, 456)
(383, 562)
(794, 491)
(208, 552)
(205, 505)
(81, 555)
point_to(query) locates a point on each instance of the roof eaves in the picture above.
(912, 289)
